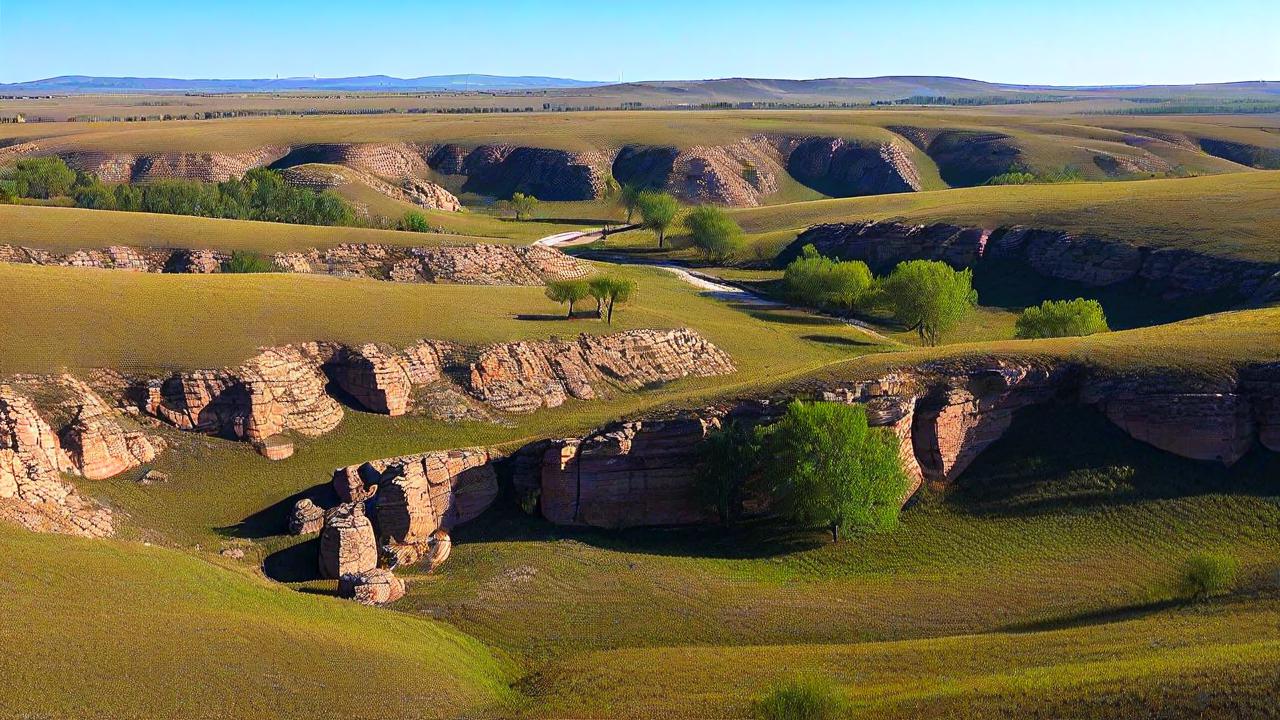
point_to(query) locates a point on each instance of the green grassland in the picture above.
(147, 632)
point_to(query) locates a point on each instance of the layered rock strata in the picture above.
(372, 587)
(501, 170)
(347, 543)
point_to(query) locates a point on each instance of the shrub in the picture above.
(568, 291)
(728, 458)
(828, 467)
(43, 177)
(242, 261)
(414, 221)
(8, 191)
(1013, 177)
(930, 297)
(128, 198)
(1062, 318)
(822, 282)
(1206, 574)
(93, 194)
(810, 699)
(716, 236)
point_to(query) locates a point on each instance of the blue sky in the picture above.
(1073, 42)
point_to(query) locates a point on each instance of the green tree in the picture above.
(94, 195)
(629, 199)
(822, 282)
(1062, 318)
(568, 291)
(929, 297)
(728, 459)
(414, 221)
(523, 205)
(611, 291)
(8, 191)
(43, 177)
(1207, 574)
(128, 197)
(714, 233)
(657, 212)
(828, 467)
(243, 261)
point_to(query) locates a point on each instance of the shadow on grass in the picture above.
(838, 341)
(274, 520)
(753, 539)
(788, 318)
(552, 317)
(297, 563)
(1105, 616)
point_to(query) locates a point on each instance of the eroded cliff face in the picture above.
(847, 168)
(502, 170)
(410, 189)
(464, 264)
(1166, 273)
(146, 167)
(945, 415)
(965, 157)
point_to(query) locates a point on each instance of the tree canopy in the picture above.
(657, 212)
(610, 291)
(42, 177)
(828, 467)
(523, 205)
(716, 235)
(929, 297)
(1062, 318)
(817, 281)
(568, 291)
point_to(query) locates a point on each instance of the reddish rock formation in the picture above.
(423, 493)
(628, 474)
(372, 587)
(96, 442)
(279, 390)
(438, 549)
(347, 543)
(32, 492)
(305, 517)
(524, 376)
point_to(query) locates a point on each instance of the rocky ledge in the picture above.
(464, 264)
(1167, 273)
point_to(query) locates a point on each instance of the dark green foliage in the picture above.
(1062, 318)
(42, 177)
(1021, 176)
(826, 466)
(260, 195)
(1208, 574)
(929, 297)
(568, 291)
(93, 194)
(729, 458)
(8, 191)
(523, 205)
(821, 282)
(657, 212)
(801, 699)
(610, 291)
(714, 233)
(242, 261)
(414, 221)
(629, 199)
(1013, 177)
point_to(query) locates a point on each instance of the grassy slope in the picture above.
(149, 632)
(1231, 215)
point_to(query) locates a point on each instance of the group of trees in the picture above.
(821, 464)
(608, 292)
(260, 195)
(926, 296)
(712, 232)
(1061, 318)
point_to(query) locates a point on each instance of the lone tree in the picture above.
(728, 460)
(714, 233)
(1062, 318)
(930, 297)
(629, 199)
(828, 467)
(611, 291)
(568, 291)
(523, 205)
(657, 212)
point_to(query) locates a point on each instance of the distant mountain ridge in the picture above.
(368, 83)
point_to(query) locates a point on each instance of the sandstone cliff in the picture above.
(501, 170)
(146, 167)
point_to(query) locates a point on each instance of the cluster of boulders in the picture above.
(463, 264)
(1168, 273)
(55, 425)
(394, 513)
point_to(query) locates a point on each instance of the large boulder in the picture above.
(305, 517)
(95, 437)
(423, 493)
(372, 587)
(347, 543)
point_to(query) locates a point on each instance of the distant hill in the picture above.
(367, 83)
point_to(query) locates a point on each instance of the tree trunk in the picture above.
(661, 237)
(570, 313)
(610, 312)
(835, 532)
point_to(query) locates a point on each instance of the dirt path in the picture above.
(713, 287)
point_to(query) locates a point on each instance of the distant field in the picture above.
(1233, 215)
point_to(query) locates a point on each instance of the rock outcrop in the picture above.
(280, 390)
(966, 158)
(146, 167)
(382, 379)
(1167, 273)
(347, 544)
(502, 170)
(372, 587)
(524, 376)
(405, 188)
(94, 435)
(848, 168)
(32, 491)
(420, 494)
(306, 517)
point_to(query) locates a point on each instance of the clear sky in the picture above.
(1065, 42)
